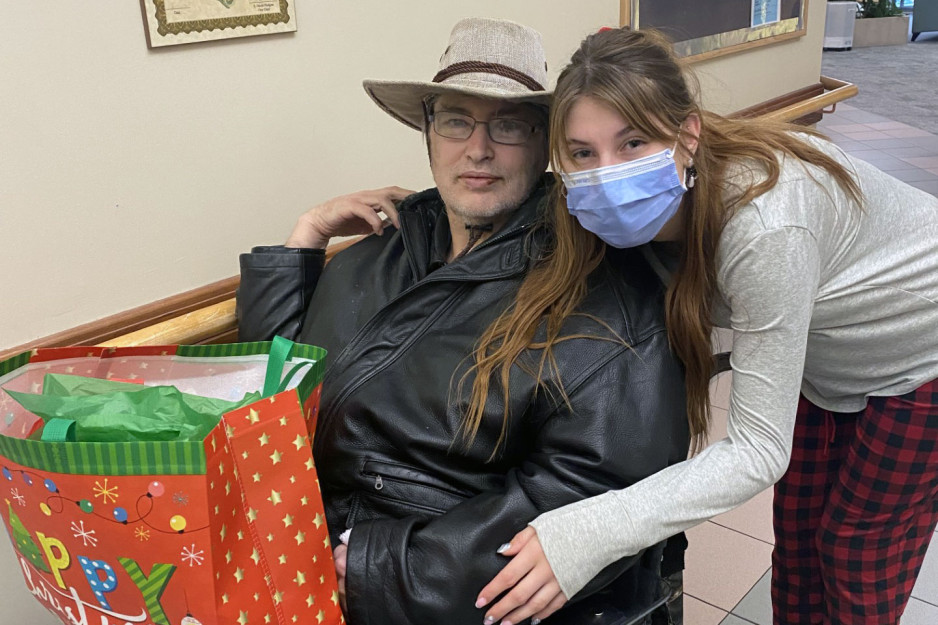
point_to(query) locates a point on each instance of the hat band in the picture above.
(469, 67)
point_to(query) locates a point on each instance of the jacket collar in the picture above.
(422, 214)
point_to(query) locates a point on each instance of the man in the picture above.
(422, 506)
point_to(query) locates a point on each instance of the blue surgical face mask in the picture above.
(626, 205)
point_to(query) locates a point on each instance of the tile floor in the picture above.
(729, 561)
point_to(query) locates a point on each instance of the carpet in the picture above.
(899, 82)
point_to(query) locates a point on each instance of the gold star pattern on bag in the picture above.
(278, 514)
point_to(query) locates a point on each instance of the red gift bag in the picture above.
(226, 530)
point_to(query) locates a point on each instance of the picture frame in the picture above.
(703, 29)
(174, 22)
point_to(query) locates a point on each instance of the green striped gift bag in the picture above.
(225, 529)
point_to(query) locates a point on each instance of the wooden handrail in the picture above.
(217, 318)
(187, 329)
(837, 91)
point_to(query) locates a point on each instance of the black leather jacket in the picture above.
(428, 514)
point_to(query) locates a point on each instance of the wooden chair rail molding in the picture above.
(207, 315)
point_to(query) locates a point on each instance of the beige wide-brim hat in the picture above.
(486, 58)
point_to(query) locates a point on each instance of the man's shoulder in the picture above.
(426, 200)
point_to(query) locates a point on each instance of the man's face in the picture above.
(479, 180)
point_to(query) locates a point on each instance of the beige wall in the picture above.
(127, 175)
(737, 81)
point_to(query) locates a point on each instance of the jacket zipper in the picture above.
(380, 472)
(434, 277)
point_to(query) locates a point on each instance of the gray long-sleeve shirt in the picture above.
(824, 298)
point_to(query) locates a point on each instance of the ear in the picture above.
(544, 155)
(690, 131)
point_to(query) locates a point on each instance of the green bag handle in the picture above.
(58, 431)
(281, 350)
(292, 374)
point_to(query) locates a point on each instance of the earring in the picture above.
(690, 175)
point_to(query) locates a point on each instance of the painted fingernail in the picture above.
(505, 547)
(535, 621)
(481, 601)
(489, 620)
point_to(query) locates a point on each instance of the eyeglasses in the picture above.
(503, 130)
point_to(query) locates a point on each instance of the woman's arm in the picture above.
(770, 282)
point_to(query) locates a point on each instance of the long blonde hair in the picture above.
(637, 74)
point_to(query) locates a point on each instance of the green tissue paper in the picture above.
(108, 411)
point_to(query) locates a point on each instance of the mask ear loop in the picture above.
(563, 187)
(676, 141)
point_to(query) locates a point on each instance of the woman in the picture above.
(826, 270)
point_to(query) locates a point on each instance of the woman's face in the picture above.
(598, 136)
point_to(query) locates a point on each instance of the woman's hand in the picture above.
(347, 215)
(535, 591)
(340, 555)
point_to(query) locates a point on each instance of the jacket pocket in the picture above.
(409, 487)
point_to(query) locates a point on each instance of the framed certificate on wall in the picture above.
(172, 22)
(702, 29)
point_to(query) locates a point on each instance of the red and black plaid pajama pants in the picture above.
(855, 511)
